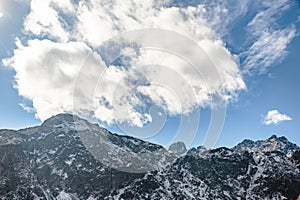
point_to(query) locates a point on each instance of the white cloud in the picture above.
(274, 117)
(46, 70)
(222, 15)
(48, 78)
(27, 108)
(270, 39)
(268, 49)
(266, 41)
(44, 18)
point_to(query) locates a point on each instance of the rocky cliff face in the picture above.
(69, 158)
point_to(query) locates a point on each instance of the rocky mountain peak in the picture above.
(197, 150)
(64, 119)
(272, 137)
(59, 118)
(273, 143)
(178, 148)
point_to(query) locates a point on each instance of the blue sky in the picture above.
(254, 46)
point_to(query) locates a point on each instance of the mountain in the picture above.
(273, 143)
(220, 174)
(178, 148)
(69, 155)
(69, 158)
(198, 149)
(296, 158)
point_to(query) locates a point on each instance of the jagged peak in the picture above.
(273, 143)
(273, 136)
(247, 141)
(196, 150)
(280, 138)
(220, 149)
(178, 148)
(283, 138)
(179, 143)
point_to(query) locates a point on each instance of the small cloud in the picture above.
(274, 117)
(271, 75)
(27, 108)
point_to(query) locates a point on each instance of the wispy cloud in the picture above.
(270, 40)
(266, 39)
(269, 48)
(275, 117)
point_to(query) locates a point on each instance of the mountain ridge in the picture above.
(71, 118)
(60, 160)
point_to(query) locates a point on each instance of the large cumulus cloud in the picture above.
(70, 35)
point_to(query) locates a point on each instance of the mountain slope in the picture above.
(220, 174)
(53, 158)
(69, 158)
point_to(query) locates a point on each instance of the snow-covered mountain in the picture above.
(220, 174)
(69, 158)
(273, 143)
